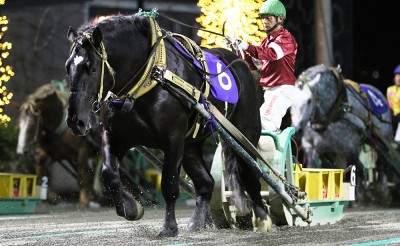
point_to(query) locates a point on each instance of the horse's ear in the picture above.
(72, 34)
(97, 36)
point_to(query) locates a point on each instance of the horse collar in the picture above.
(157, 59)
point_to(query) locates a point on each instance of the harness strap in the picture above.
(192, 48)
(176, 80)
(362, 93)
(104, 62)
(159, 59)
(247, 145)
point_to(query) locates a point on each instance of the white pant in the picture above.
(277, 100)
(397, 136)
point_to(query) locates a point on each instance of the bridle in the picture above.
(38, 115)
(101, 52)
(157, 57)
(39, 120)
(336, 110)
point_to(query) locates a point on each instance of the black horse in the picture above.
(117, 54)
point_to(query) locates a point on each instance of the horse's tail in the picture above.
(233, 180)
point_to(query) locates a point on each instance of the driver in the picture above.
(278, 55)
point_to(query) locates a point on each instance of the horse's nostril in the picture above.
(80, 123)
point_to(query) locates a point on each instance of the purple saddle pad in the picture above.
(377, 103)
(223, 86)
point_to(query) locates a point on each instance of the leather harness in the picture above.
(155, 70)
(340, 106)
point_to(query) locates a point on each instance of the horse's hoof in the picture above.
(245, 222)
(130, 212)
(264, 225)
(384, 196)
(140, 210)
(168, 233)
(194, 227)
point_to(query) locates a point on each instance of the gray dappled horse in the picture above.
(334, 118)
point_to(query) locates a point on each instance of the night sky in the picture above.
(376, 42)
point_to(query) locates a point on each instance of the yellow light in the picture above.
(239, 16)
(5, 71)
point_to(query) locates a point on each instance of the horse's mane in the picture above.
(113, 22)
(312, 71)
(44, 91)
(93, 22)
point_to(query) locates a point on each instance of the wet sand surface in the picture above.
(68, 225)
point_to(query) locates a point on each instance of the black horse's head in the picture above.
(84, 74)
(104, 57)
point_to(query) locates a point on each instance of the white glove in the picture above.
(227, 41)
(243, 45)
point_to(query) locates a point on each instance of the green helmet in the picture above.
(273, 7)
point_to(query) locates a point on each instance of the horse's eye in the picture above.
(300, 84)
(92, 69)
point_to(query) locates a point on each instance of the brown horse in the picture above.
(42, 121)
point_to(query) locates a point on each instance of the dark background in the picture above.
(376, 42)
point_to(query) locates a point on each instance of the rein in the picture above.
(192, 27)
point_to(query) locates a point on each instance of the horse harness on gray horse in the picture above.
(340, 105)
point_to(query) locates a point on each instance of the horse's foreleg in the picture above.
(382, 190)
(83, 176)
(170, 188)
(125, 205)
(42, 162)
(311, 154)
(195, 168)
